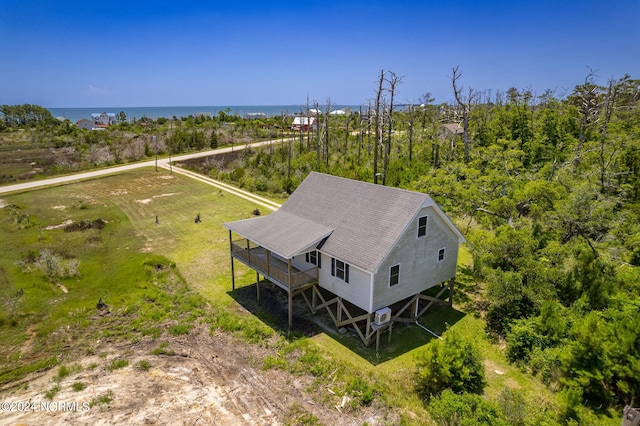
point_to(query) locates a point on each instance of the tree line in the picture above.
(547, 192)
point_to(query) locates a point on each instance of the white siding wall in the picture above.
(300, 262)
(418, 259)
(356, 291)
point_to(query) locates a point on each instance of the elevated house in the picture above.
(103, 119)
(304, 124)
(367, 253)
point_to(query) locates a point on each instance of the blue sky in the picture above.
(171, 53)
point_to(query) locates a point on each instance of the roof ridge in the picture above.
(370, 184)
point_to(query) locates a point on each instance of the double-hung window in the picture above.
(340, 269)
(422, 226)
(313, 257)
(440, 255)
(394, 275)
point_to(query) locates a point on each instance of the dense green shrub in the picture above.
(452, 363)
(465, 409)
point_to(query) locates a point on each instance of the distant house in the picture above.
(451, 130)
(369, 250)
(255, 116)
(84, 123)
(103, 119)
(304, 123)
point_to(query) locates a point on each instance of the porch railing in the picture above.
(255, 256)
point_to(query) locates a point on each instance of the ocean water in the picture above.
(75, 114)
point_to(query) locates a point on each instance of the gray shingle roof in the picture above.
(282, 232)
(363, 220)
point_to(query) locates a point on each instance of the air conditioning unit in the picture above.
(383, 316)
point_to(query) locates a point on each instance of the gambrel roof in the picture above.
(356, 222)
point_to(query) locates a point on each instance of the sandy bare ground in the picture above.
(209, 380)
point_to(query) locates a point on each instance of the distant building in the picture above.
(84, 123)
(304, 123)
(255, 116)
(104, 119)
(451, 130)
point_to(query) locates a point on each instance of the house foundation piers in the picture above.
(279, 271)
(344, 314)
(419, 303)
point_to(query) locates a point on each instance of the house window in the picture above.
(340, 269)
(422, 226)
(313, 257)
(440, 255)
(394, 275)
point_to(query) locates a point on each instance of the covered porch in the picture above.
(277, 270)
(268, 245)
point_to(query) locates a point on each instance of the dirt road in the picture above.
(161, 162)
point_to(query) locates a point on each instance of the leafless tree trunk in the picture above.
(369, 114)
(589, 109)
(308, 125)
(318, 153)
(378, 125)
(465, 106)
(346, 138)
(393, 80)
(411, 118)
(360, 137)
(301, 131)
(610, 102)
(327, 128)
(435, 143)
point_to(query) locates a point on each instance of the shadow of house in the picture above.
(273, 311)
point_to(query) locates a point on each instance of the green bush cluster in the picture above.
(453, 363)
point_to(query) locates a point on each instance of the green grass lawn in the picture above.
(149, 271)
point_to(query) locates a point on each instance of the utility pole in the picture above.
(155, 144)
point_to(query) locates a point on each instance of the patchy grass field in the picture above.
(139, 269)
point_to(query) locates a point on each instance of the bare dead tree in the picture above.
(360, 135)
(378, 126)
(302, 128)
(464, 103)
(307, 106)
(327, 133)
(607, 158)
(369, 117)
(588, 93)
(318, 154)
(393, 81)
(411, 120)
(425, 101)
(346, 137)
